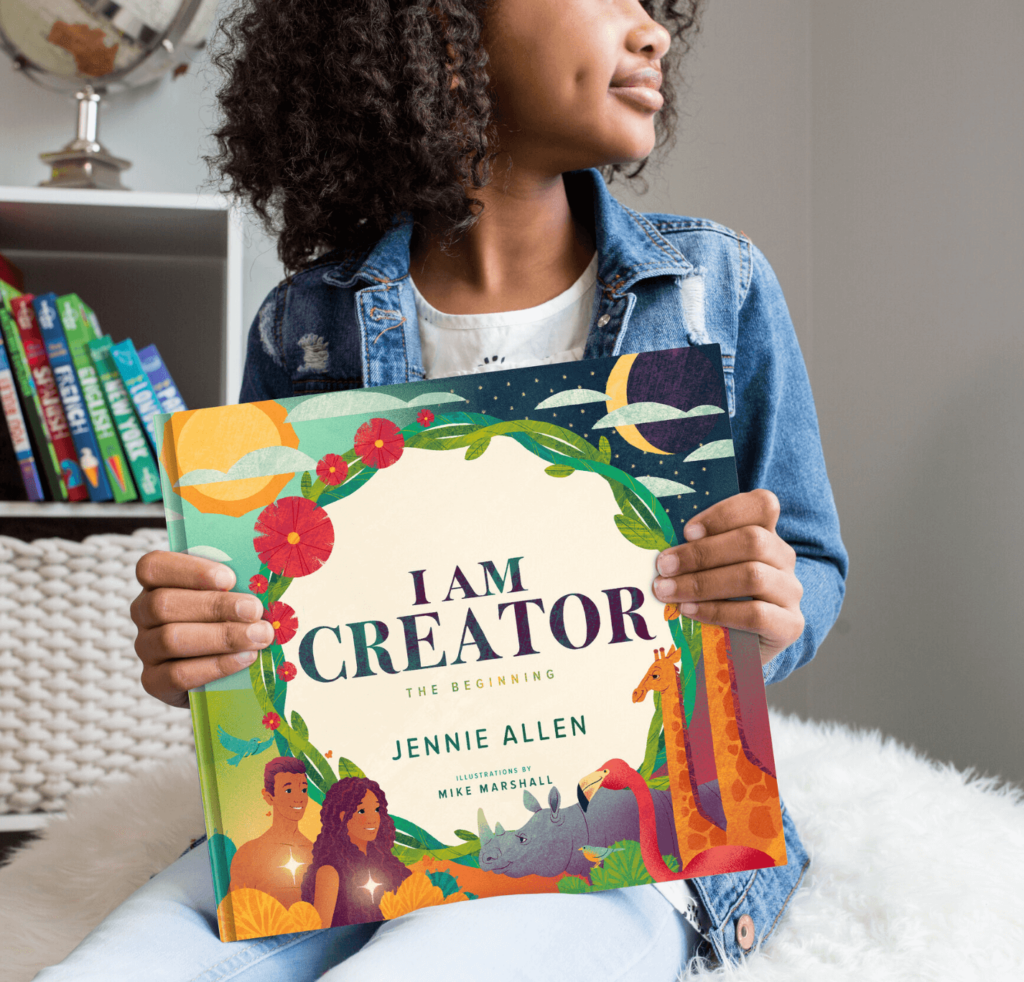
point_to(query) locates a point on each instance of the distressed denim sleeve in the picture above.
(265, 375)
(778, 447)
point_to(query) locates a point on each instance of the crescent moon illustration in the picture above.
(618, 380)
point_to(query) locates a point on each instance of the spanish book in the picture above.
(49, 397)
(90, 457)
(472, 690)
(139, 387)
(17, 429)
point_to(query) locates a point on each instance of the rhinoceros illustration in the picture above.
(548, 844)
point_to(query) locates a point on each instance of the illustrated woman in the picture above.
(352, 864)
(437, 173)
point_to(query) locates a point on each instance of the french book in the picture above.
(90, 457)
(472, 690)
(129, 427)
(78, 332)
(18, 430)
(139, 387)
(46, 456)
(160, 378)
(50, 403)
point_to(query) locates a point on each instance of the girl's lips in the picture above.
(640, 95)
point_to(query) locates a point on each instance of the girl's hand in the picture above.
(191, 630)
(732, 550)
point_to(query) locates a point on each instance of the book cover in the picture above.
(17, 429)
(46, 456)
(166, 391)
(90, 457)
(136, 381)
(78, 331)
(472, 690)
(49, 397)
(129, 428)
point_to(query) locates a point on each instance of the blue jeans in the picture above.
(166, 932)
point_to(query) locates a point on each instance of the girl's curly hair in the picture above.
(337, 116)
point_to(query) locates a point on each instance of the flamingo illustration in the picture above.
(617, 775)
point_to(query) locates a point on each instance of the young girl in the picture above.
(436, 170)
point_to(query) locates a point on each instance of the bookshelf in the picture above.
(163, 268)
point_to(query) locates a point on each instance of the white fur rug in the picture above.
(917, 870)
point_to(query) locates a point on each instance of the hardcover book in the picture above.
(137, 382)
(163, 385)
(472, 690)
(17, 429)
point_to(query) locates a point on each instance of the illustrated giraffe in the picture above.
(735, 806)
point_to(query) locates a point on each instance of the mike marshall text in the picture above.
(515, 734)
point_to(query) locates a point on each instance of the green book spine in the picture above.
(79, 332)
(136, 447)
(47, 456)
(7, 294)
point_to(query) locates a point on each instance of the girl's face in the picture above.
(560, 70)
(364, 823)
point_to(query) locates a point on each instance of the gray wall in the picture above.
(873, 151)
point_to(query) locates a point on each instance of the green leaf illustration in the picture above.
(559, 470)
(477, 448)
(306, 484)
(466, 836)
(621, 869)
(299, 726)
(604, 450)
(574, 884)
(639, 534)
(444, 881)
(408, 840)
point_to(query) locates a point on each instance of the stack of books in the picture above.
(79, 407)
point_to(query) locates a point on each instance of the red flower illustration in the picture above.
(258, 584)
(271, 721)
(379, 443)
(332, 469)
(283, 620)
(425, 417)
(294, 536)
(286, 671)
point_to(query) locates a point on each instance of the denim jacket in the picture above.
(663, 281)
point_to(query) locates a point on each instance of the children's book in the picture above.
(46, 456)
(472, 690)
(49, 397)
(166, 391)
(137, 382)
(90, 456)
(17, 429)
(129, 427)
(78, 331)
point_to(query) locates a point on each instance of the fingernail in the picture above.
(224, 579)
(663, 589)
(248, 609)
(260, 633)
(694, 531)
(688, 609)
(668, 564)
(246, 658)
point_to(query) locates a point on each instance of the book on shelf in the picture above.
(136, 381)
(10, 275)
(17, 429)
(50, 403)
(46, 456)
(78, 332)
(163, 385)
(471, 690)
(129, 427)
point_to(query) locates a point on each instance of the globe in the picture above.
(96, 47)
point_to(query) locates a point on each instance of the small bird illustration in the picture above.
(598, 854)
(241, 748)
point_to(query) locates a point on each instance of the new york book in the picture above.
(472, 690)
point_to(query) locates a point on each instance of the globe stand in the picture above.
(85, 162)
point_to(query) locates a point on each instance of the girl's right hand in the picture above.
(191, 629)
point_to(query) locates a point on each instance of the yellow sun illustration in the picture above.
(215, 439)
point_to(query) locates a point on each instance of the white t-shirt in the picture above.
(552, 332)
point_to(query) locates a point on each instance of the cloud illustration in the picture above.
(660, 487)
(265, 462)
(354, 401)
(209, 552)
(572, 397)
(650, 412)
(712, 451)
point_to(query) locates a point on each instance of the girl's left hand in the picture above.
(733, 550)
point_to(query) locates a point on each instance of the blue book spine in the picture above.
(89, 456)
(136, 381)
(19, 433)
(163, 384)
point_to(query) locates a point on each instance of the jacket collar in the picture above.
(629, 246)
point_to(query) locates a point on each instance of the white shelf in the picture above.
(78, 509)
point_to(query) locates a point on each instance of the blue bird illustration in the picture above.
(241, 748)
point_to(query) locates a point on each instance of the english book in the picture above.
(472, 690)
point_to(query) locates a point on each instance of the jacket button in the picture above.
(603, 319)
(745, 932)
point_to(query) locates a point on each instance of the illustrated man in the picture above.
(276, 861)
